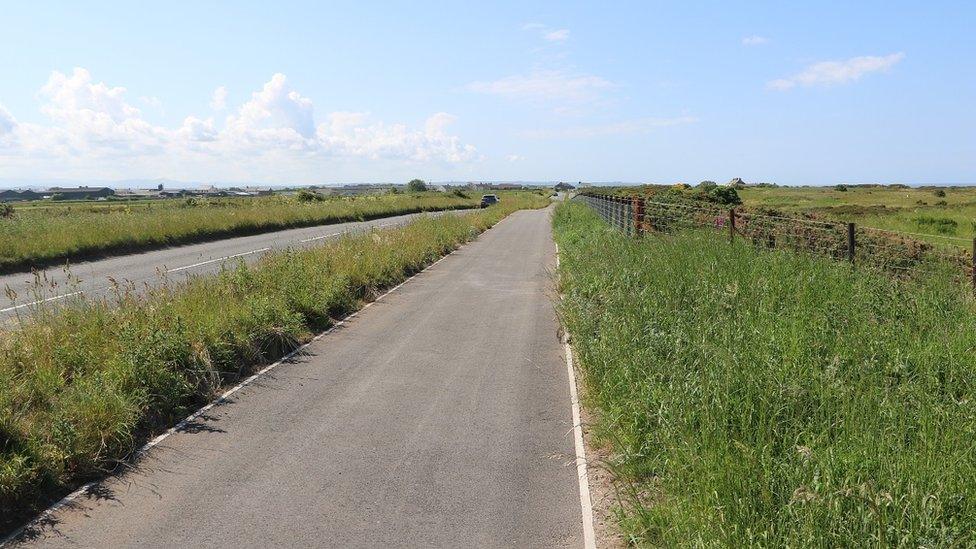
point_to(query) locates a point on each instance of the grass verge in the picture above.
(758, 398)
(80, 388)
(36, 237)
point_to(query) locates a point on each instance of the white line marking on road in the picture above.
(38, 302)
(586, 505)
(176, 269)
(226, 257)
(330, 235)
(222, 398)
(314, 238)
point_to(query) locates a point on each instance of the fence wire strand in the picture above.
(899, 253)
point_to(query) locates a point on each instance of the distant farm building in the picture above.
(258, 191)
(79, 193)
(12, 195)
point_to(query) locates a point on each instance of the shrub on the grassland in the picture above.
(941, 225)
(306, 195)
(764, 398)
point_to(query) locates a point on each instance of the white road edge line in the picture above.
(314, 238)
(38, 302)
(219, 400)
(55, 298)
(586, 505)
(226, 257)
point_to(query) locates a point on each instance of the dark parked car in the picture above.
(488, 200)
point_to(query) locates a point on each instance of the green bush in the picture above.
(941, 225)
(726, 195)
(306, 195)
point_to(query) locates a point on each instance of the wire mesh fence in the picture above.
(903, 254)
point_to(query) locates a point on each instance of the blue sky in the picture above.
(337, 92)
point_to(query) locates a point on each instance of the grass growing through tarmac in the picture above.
(42, 236)
(757, 398)
(80, 388)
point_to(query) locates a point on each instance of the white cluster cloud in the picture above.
(7, 121)
(634, 126)
(351, 134)
(545, 85)
(560, 35)
(547, 33)
(754, 40)
(275, 117)
(828, 73)
(218, 101)
(91, 120)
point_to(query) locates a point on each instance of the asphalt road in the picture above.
(94, 278)
(439, 417)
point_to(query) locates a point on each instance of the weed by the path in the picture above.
(764, 398)
(41, 236)
(81, 386)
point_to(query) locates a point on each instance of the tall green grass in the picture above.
(35, 237)
(760, 398)
(82, 386)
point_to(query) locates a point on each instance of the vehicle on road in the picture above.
(488, 200)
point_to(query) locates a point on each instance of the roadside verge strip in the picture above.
(45, 515)
(586, 505)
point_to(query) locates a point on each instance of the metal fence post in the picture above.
(619, 211)
(614, 212)
(638, 209)
(850, 242)
(629, 218)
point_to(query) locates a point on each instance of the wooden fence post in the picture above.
(731, 225)
(850, 242)
(974, 265)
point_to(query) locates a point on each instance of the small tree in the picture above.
(306, 195)
(416, 186)
(841, 188)
(940, 193)
(707, 185)
(725, 195)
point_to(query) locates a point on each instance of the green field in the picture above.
(81, 387)
(897, 209)
(38, 234)
(938, 215)
(755, 397)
